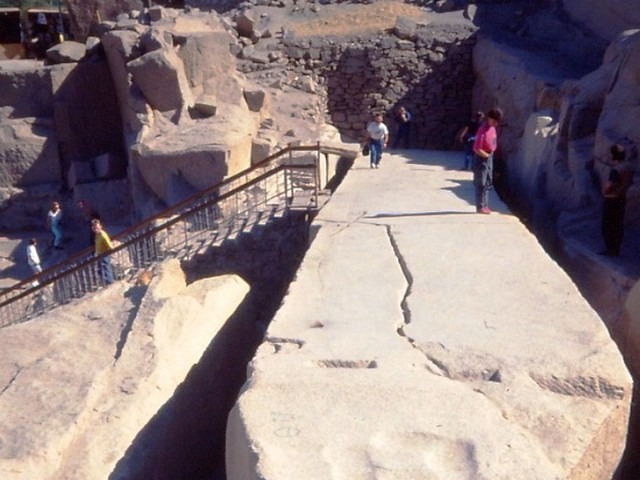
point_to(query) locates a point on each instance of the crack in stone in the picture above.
(580, 386)
(11, 380)
(406, 312)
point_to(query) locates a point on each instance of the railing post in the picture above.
(158, 238)
(317, 175)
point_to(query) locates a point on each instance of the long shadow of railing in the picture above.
(237, 204)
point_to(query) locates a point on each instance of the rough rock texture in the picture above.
(28, 153)
(556, 139)
(67, 52)
(362, 60)
(78, 386)
(52, 116)
(607, 19)
(85, 14)
(161, 78)
(433, 372)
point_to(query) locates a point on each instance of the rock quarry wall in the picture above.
(555, 156)
(423, 63)
(606, 19)
(97, 119)
(60, 127)
(427, 70)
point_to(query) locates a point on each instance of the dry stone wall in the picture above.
(429, 71)
(430, 75)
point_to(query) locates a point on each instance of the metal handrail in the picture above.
(215, 209)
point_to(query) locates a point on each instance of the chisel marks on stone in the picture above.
(347, 363)
(281, 344)
(580, 386)
(462, 366)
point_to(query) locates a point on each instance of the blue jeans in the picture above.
(57, 234)
(468, 153)
(375, 149)
(402, 136)
(105, 269)
(482, 179)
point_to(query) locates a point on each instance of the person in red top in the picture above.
(484, 147)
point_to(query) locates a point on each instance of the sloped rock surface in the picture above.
(78, 385)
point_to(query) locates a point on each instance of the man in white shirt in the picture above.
(33, 259)
(378, 137)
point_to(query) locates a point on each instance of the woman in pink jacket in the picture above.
(484, 147)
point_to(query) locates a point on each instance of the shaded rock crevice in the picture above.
(135, 295)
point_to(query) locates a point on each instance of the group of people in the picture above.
(480, 140)
(41, 32)
(97, 237)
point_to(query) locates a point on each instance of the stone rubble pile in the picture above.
(423, 65)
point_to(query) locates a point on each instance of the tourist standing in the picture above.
(33, 259)
(88, 215)
(467, 138)
(378, 138)
(103, 245)
(614, 192)
(54, 218)
(484, 147)
(403, 118)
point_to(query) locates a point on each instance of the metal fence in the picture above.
(207, 219)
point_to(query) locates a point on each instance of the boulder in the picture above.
(261, 148)
(206, 106)
(402, 382)
(67, 52)
(156, 13)
(161, 78)
(92, 45)
(155, 39)
(245, 23)
(201, 155)
(256, 99)
(470, 12)
(405, 27)
(209, 66)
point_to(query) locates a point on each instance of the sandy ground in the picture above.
(354, 19)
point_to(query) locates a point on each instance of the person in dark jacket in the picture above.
(614, 192)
